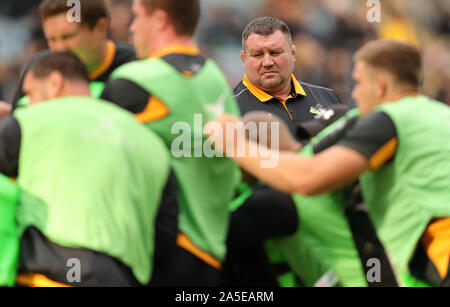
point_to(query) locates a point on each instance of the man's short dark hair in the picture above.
(184, 14)
(68, 64)
(265, 26)
(91, 11)
(401, 59)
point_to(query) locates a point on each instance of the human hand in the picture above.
(223, 133)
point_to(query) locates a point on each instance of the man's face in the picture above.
(36, 89)
(268, 60)
(142, 28)
(63, 35)
(366, 91)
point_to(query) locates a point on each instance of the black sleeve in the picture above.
(10, 137)
(166, 223)
(334, 136)
(265, 214)
(125, 53)
(126, 94)
(335, 98)
(370, 134)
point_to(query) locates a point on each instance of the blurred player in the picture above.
(310, 241)
(398, 150)
(173, 85)
(87, 39)
(92, 181)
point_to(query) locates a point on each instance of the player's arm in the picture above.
(10, 138)
(130, 96)
(368, 145)
(327, 171)
(126, 94)
(375, 137)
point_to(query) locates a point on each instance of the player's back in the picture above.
(99, 173)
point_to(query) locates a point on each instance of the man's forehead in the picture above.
(363, 68)
(359, 68)
(137, 6)
(276, 39)
(59, 25)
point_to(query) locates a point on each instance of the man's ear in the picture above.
(294, 51)
(243, 56)
(55, 84)
(102, 26)
(381, 86)
(162, 19)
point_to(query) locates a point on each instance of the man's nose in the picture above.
(58, 45)
(353, 93)
(267, 61)
(132, 27)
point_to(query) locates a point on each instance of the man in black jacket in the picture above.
(269, 85)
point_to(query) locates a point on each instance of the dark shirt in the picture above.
(304, 103)
(10, 137)
(374, 137)
(266, 214)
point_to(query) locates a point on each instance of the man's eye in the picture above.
(67, 36)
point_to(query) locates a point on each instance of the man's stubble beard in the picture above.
(269, 85)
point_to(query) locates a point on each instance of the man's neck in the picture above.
(97, 58)
(400, 94)
(75, 89)
(283, 92)
(168, 41)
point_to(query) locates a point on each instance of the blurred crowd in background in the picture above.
(325, 32)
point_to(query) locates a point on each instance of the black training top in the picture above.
(370, 137)
(304, 103)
